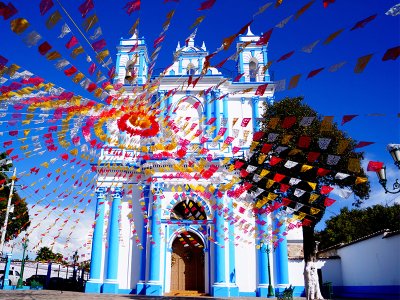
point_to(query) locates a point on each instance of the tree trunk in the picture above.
(311, 280)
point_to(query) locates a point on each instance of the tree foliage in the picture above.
(18, 220)
(311, 149)
(46, 254)
(350, 225)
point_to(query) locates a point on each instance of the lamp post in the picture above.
(394, 150)
(270, 287)
(20, 283)
(75, 258)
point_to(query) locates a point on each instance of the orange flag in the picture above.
(332, 36)
(294, 81)
(362, 62)
(303, 9)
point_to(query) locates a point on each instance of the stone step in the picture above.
(188, 293)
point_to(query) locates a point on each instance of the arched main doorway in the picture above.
(187, 263)
(187, 257)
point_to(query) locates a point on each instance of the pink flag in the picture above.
(132, 6)
(45, 5)
(97, 46)
(363, 144)
(85, 7)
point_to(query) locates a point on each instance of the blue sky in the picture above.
(374, 91)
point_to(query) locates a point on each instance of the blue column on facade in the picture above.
(220, 287)
(111, 281)
(141, 285)
(208, 107)
(225, 114)
(93, 285)
(241, 66)
(217, 111)
(281, 257)
(255, 113)
(233, 288)
(154, 285)
(141, 65)
(6, 284)
(180, 66)
(161, 101)
(263, 256)
(265, 59)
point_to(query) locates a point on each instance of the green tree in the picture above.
(302, 161)
(350, 225)
(46, 254)
(19, 219)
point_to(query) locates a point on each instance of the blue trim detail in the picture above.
(110, 288)
(217, 112)
(208, 106)
(263, 258)
(255, 113)
(113, 242)
(96, 256)
(365, 292)
(281, 256)
(93, 287)
(146, 193)
(219, 252)
(225, 114)
(155, 246)
(7, 272)
(247, 294)
(127, 291)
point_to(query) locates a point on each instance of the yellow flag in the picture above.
(326, 124)
(19, 25)
(313, 197)
(53, 55)
(273, 122)
(78, 77)
(53, 19)
(264, 172)
(197, 21)
(314, 210)
(354, 165)
(269, 183)
(90, 22)
(361, 180)
(134, 26)
(77, 51)
(253, 145)
(261, 158)
(312, 184)
(286, 139)
(342, 145)
(305, 168)
(272, 196)
(332, 36)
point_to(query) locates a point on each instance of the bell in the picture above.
(128, 75)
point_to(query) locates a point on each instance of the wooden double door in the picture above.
(187, 266)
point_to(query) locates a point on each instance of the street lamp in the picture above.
(268, 250)
(75, 258)
(25, 241)
(394, 150)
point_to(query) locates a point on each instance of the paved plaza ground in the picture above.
(57, 295)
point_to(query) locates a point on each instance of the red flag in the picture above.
(322, 172)
(44, 48)
(374, 166)
(45, 5)
(158, 41)
(363, 144)
(7, 11)
(266, 148)
(132, 6)
(264, 38)
(207, 4)
(258, 135)
(70, 71)
(348, 118)
(326, 189)
(304, 141)
(72, 42)
(85, 7)
(392, 53)
(288, 122)
(274, 160)
(278, 177)
(362, 23)
(329, 201)
(327, 2)
(261, 89)
(313, 156)
(314, 72)
(285, 56)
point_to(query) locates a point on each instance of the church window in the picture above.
(190, 69)
(253, 70)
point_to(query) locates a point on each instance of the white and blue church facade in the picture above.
(160, 231)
